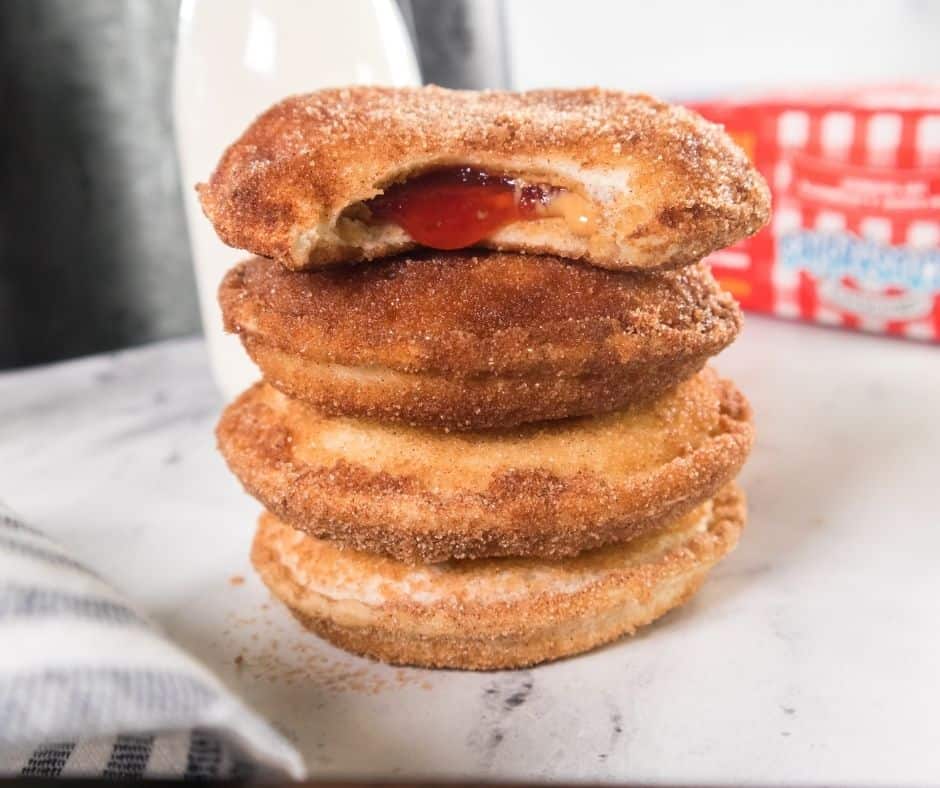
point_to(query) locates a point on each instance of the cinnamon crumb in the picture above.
(296, 658)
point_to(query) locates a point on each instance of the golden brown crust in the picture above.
(493, 613)
(551, 489)
(466, 341)
(668, 186)
(477, 403)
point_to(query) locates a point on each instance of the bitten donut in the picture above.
(618, 180)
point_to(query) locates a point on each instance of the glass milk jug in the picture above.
(236, 58)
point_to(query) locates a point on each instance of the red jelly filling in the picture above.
(455, 207)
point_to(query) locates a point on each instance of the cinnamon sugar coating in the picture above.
(473, 341)
(667, 186)
(493, 613)
(551, 489)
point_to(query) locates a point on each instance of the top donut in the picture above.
(617, 180)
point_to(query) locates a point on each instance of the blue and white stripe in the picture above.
(89, 687)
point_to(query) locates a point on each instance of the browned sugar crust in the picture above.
(552, 489)
(669, 187)
(493, 613)
(474, 341)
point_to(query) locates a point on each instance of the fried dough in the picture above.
(663, 186)
(493, 613)
(551, 489)
(473, 341)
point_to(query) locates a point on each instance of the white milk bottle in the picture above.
(236, 58)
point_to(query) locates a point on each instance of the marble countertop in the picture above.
(812, 656)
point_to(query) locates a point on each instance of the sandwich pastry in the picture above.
(486, 433)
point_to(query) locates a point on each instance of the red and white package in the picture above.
(855, 236)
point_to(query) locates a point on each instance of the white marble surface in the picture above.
(811, 657)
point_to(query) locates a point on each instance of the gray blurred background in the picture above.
(93, 251)
(93, 248)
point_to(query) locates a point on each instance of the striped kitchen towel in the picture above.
(88, 686)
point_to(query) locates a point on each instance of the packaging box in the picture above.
(855, 235)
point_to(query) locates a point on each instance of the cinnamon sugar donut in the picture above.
(493, 613)
(474, 341)
(618, 180)
(551, 489)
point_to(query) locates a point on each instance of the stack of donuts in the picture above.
(485, 435)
